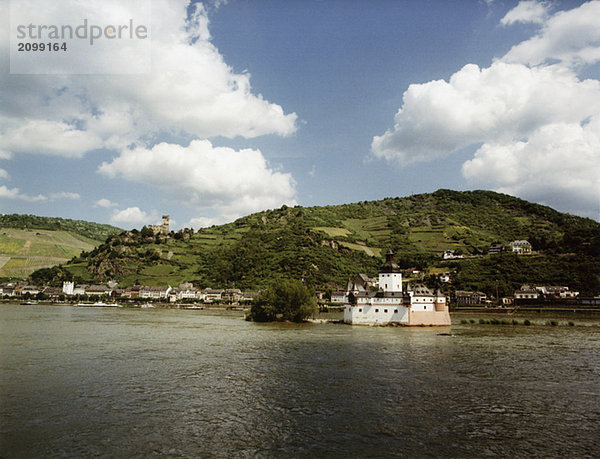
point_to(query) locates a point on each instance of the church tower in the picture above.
(390, 276)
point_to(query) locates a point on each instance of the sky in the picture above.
(225, 108)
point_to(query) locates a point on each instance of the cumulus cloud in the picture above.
(106, 203)
(190, 90)
(3, 174)
(529, 11)
(478, 105)
(571, 37)
(132, 216)
(558, 164)
(15, 193)
(207, 177)
(529, 112)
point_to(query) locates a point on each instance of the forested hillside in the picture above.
(325, 245)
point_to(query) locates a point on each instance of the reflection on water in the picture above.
(82, 382)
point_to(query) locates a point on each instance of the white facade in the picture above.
(376, 314)
(390, 282)
(68, 288)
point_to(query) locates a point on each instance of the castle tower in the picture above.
(165, 225)
(390, 276)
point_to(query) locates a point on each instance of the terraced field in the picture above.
(23, 251)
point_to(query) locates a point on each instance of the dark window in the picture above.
(395, 311)
(385, 310)
(360, 310)
(376, 310)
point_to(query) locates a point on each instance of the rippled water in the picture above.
(139, 383)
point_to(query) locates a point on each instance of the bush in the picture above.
(284, 300)
(526, 322)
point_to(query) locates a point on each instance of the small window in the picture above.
(395, 311)
(376, 310)
(360, 310)
(385, 310)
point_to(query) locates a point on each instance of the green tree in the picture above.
(284, 299)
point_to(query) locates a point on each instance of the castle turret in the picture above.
(390, 276)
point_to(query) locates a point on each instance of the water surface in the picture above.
(139, 383)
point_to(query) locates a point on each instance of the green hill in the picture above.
(28, 242)
(326, 245)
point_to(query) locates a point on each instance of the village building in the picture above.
(97, 290)
(339, 296)
(7, 290)
(526, 292)
(30, 290)
(52, 292)
(211, 295)
(416, 306)
(463, 297)
(496, 248)
(520, 246)
(155, 293)
(130, 292)
(556, 291)
(231, 295)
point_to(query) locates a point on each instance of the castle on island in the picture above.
(391, 305)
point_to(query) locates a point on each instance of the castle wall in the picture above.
(429, 318)
(375, 314)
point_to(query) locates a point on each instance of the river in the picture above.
(176, 383)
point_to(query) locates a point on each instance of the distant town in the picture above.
(187, 293)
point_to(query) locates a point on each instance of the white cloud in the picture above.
(572, 37)
(232, 182)
(558, 164)
(206, 222)
(15, 193)
(64, 195)
(4, 174)
(536, 123)
(191, 90)
(481, 105)
(47, 137)
(106, 203)
(530, 11)
(132, 216)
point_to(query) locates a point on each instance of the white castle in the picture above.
(416, 306)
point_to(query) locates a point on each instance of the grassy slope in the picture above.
(326, 245)
(28, 243)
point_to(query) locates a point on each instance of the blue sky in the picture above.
(253, 104)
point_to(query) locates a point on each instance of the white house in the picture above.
(417, 306)
(520, 246)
